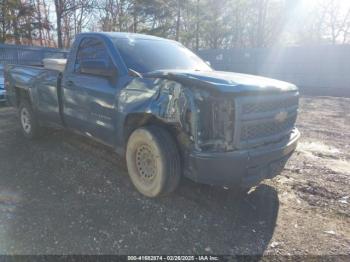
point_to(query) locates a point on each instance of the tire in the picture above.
(29, 123)
(153, 161)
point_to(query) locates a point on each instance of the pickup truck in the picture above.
(163, 109)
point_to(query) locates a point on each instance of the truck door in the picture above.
(90, 91)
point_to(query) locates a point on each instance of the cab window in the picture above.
(91, 49)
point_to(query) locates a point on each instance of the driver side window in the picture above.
(91, 49)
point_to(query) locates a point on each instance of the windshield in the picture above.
(143, 55)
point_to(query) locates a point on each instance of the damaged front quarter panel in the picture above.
(212, 111)
(202, 121)
(160, 100)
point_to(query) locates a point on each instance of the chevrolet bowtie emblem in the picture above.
(281, 116)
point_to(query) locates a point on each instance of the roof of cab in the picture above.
(126, 35)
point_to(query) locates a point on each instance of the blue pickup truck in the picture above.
(162, 108)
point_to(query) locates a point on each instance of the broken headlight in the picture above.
(216, 124)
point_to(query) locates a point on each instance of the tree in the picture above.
(195, 23)
(66, 11)
(17, 21)
(328, 22)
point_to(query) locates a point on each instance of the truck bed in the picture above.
(43, 86)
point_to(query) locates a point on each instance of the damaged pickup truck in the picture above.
(163, 109)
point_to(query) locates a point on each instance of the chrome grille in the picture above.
(264, 119)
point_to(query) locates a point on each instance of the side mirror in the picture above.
(98, 68)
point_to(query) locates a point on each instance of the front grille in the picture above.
(262, 105)
(265, 129)
(264, 119)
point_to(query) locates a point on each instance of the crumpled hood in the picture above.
(225, 82)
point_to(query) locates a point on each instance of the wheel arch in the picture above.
(137, 120)
(21, 95)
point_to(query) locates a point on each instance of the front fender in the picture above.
(161, 100)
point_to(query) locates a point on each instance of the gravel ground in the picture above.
(64, 194)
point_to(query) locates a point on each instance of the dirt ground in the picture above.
(65, 194)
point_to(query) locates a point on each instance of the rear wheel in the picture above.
(29, 123)
(153, 161)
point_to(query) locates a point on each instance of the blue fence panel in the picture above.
(28, 55)
(315, 69)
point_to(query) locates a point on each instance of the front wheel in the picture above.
(29, 123)
(153, 161)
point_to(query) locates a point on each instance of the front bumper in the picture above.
(245, 168)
